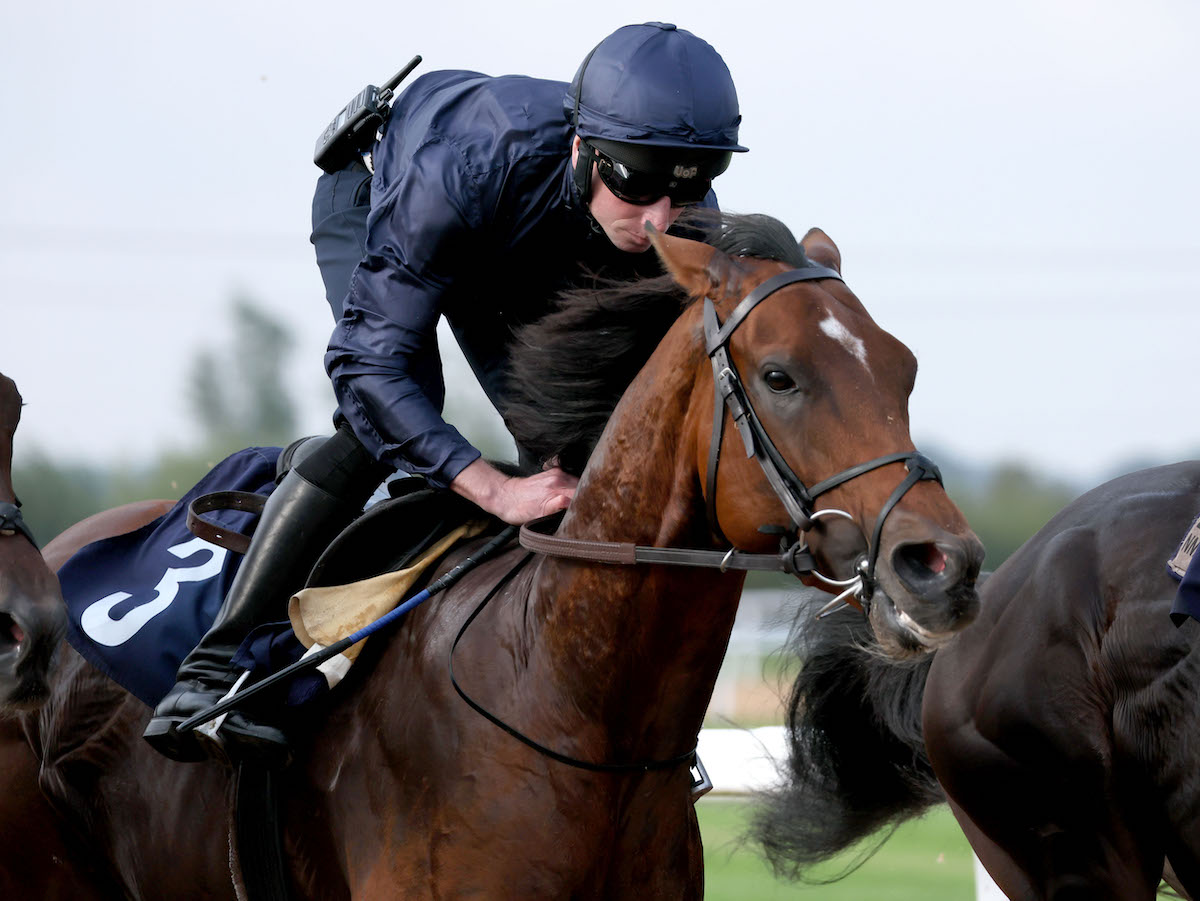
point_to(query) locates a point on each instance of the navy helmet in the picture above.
(653, 98)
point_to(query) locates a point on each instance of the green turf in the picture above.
(926, 860)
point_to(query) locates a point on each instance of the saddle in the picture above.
(393, 534)
(375, 563)
(378, 560)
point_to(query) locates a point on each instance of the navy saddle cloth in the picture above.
(138, 603)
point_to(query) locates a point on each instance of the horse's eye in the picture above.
(778, 381)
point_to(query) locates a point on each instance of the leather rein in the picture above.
(794, 556)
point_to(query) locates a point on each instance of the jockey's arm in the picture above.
(383, 354)
(383, 357)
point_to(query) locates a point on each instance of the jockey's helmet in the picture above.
(656, 109)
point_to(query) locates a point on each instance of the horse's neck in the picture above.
(640, 646)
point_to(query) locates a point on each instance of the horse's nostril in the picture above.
(935, 560)
(919, 562)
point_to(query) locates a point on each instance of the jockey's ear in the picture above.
(698, 268)
(821, 249)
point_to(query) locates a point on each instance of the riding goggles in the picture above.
(685, 185)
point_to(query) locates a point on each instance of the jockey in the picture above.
(482, 200)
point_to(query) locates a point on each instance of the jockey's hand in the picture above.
(515, 500)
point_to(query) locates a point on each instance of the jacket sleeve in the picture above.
(383, 356)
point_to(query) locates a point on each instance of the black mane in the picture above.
(856, 759)
(571, 367)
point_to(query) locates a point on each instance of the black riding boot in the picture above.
(298, 522)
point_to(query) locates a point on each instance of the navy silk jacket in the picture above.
(473, 217)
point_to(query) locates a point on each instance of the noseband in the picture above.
(11, 521)
(794, 555)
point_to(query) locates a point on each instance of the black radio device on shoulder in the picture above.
(353, 130)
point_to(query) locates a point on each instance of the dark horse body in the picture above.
(32, 620)
(31, 615)
(1062, 725)
(404, 791)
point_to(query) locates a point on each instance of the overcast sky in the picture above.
(1013, 187)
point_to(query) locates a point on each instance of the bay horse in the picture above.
(1061, 726)
(607, 668)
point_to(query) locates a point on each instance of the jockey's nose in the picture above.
(660, 214)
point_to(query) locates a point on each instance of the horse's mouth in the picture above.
(898, 633)
(931, 640)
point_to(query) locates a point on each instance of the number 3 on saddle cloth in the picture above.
(139, 602)
(1185, 567)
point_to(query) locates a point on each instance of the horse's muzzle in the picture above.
(929, 588)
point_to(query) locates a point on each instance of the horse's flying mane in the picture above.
(571, 367)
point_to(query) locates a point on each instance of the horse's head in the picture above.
(32, 616)
(813, 389)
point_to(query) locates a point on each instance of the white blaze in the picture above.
(839, 333)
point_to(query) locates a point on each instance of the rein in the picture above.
(12, 522)
(641, 765)
(729, 395)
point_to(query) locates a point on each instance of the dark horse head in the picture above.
(32, 617)
(830, 390)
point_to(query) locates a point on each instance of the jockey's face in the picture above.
(625, 223)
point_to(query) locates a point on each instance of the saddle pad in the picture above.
(367, 570)
(138, 603)
(321, 616)
(1185, 566)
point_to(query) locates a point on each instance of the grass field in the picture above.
(926, 860)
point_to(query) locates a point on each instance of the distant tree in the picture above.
(54, 494)
(263, 346)
(239, 397)
(1007, 504)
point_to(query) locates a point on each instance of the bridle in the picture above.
(12, 522)
(798, 500)
(794, 555)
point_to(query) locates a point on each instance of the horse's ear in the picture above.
(821, 249)
(698, 268)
